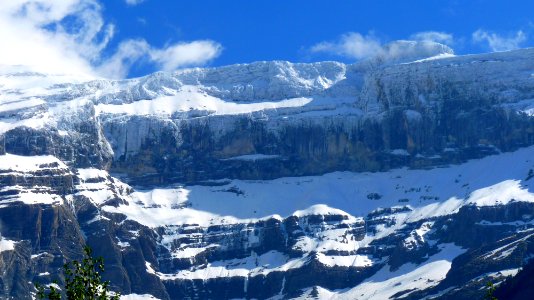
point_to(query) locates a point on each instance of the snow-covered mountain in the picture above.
(381, 179)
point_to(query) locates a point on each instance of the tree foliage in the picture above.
(82, 281)
(489, 292)
(53, 294)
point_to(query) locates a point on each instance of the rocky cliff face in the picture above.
(272, 179)
(161, 242)
(359, 119)
(39, 230)
(307, 119)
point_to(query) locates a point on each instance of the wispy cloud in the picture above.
(128, 52)
(399, 51)
(352, 44)
(71, 36)
(434, 36)
(133, 2)
(497, 42)
(357, 46)
(167, 59)
(185, 54)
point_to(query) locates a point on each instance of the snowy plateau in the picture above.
(405, 179)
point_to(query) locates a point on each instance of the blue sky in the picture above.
(126, 38)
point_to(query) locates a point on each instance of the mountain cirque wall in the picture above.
(274, 119)
(364, 119)
(302, 227)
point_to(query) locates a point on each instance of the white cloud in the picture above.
(25, 41)
(127, 54)
(399, 51)
(133, 2)
(167, 59)
(185, 54)
(356, 46)
(433, 36)
(499, 43)
(34, 33)
(352, 44)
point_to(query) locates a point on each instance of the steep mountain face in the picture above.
(348, 118)
(272, 179)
